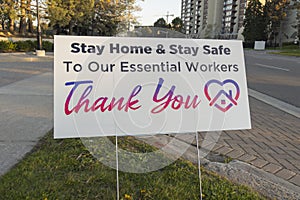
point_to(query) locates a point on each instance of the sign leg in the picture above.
(117, 169)
(199, 165)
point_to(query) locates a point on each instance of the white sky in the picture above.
(154, 9)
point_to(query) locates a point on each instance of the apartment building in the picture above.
(224, 19)
(212, 18)
(289, 26)
(233, 18)
(192, 14)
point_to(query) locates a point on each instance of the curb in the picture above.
(265, 183)
(285, 107)
(25, 57)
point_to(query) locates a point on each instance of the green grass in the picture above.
(288, 50)
(64, 169)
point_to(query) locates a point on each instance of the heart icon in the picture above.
(223, 100)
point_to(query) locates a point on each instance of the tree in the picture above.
(177, 24)
(161, 22)
(85, 17)
(91, 17)
(275, 12)
(60, 13)
(12, 11)
(125, 14)
(30, 17)
(3, 14)
(255, 22)
(296, 6)
(23, 23)
(8, 14)
(106, 18)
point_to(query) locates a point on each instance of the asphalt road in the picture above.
(274, 75)
(16, 67)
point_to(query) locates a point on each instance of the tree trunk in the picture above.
(22, 29)
(29, 25)
(11, 25)
(71, 28)
(29, 16)
(280, 34)
(2, 25)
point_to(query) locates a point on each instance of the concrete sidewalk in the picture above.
(267, 157)
(25, 57)
(26, 114)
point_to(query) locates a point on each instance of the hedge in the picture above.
(24, 46)
(7, 46)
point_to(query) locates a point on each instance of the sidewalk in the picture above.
(25, 57)
(26, 107)
(273, 143)
(267, 157)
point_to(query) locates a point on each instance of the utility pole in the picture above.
(38, 29)
(167, 16)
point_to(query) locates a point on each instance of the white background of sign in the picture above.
(120, 84)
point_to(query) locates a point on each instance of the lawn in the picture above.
(64, 169)
(289, 50)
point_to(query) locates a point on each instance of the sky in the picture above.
(155, 9)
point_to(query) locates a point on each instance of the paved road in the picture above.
(16, 67)
(276, 76)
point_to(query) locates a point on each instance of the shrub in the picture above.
(48, 46)
(7, 46)
(26, 46)
(248, 45)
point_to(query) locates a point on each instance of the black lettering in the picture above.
(148, 50)
(83, 47)
(124, 67)
(210, 67)
(147, 68)
(224, 68)
(173, 49)
(139, 67)
(93, 69)
(68, 66)
(116, 48)
(124, 49)
(132, 68)
(227, 51)
(91, 49)
(235, 68)
(203, 68)
(191, 66)
(75, 48)
(206, 49)
(216, 67)
(136, 49)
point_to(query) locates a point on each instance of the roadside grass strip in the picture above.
(288, 53)
(64, 169)
(289, 50)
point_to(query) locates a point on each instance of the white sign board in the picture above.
(259, 45)
(105, 86)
